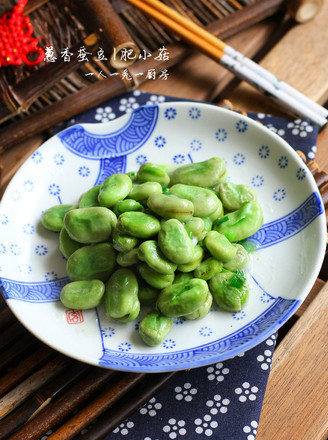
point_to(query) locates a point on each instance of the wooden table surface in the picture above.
(296, 400)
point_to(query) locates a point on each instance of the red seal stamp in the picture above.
(74, 316)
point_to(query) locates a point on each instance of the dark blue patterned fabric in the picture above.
(223, 400)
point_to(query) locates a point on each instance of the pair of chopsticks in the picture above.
(243, 67)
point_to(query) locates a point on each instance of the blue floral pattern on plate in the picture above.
(33, 270)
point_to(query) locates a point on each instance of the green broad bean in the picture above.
(168, 206)
(195, 262)
(127, 205)
(66, 244)
(150, 253)
(206, 174)
(242, 223)
(228, 297)
(175, 243)
(115, 188)
(217, 213)
(195, 228)
(153, 278)
(151, 172)
(208, 268)
(88, 225)
(182, 277)
(139, 224)
(204, 200)
(183, 298)
(123, 243)
(133, 176)
(141, 191)
(82, 295)
(127, 258)
(91, 262)
(154, 327)
(53, 218)
(239, 261)
(90, 198)
(233, 195)
(147, 295)
(203, 309)
(208, 224)
(121, 296)
(219, 246)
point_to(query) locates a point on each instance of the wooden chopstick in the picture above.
(244, 68)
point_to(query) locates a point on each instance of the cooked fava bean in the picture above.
(203, 309)
(217, 213)
(147, 294)
(206, 174)
(133, 175)
(239, 261)
(150, 253)
(129, 258)
(53, 218)
(182, 277)
(242, 223)
(66, 244)
(183, 298)
(196, 228)
(219, 246)
(204, 200)
(208, 268)
(88, 225)
(153, 278)
(141, 191)
(174, 242)
(226, 294)
(121, 296)
(82, 295)
(90, 198)
(127, 205)
(195, 262)
(115, 188)
(151, 172)
(233, 196)
(93, 262)
(169, 206)
(123, 243)
(139, 224)
(154, 327)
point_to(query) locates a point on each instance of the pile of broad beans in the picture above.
(159, 237)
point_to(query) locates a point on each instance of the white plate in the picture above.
(290, 245)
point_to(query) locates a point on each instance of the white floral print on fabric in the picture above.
(217, 372)
(206, 425)
(151, 407)
(300, 128)
(155, 99)
(128, 104)
(124, 427)
(251, 430)
(218, 405)
(104, 114)
(175, 428)
(246, 392)
(186, 393)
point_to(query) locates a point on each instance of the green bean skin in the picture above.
(139, 224)
(219, 246)
(242, 223)
(168, 206)
(208, 268)
(82, 295)
(123, 243)
(147, 294)
(88, 225)
(93, 262)
(121, 296)
(153, 278)
(150, 253)
(226, 296)
(183, 298)
(195, 262)
(126, 259)
(154, 327)
(182, 277)
(203, 310)
(233, 195)
(90, 198)
(151, 172)
(206, 174)
(217, 213)
(127, 205)
(174, 242)
(239, 261)
(53, 218)
(205, 201)
(141, 191)
(195, 228)
(115, 188)
(66, 244)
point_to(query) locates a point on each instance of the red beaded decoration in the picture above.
(16, 42)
